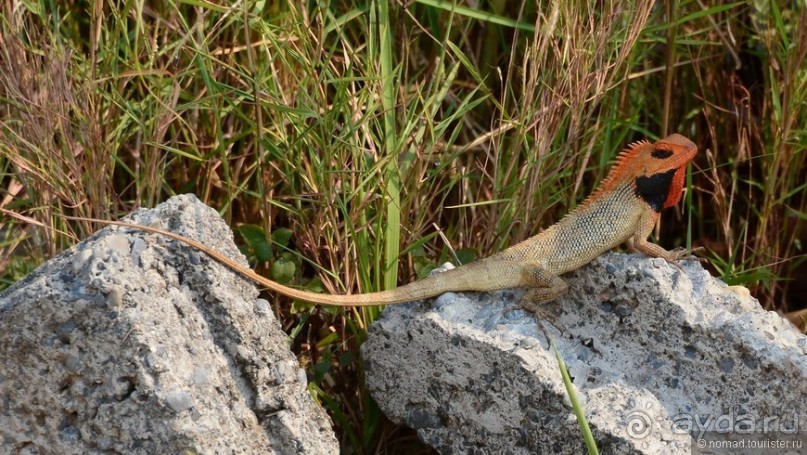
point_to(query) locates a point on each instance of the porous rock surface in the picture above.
(133, 343)
(655, 353)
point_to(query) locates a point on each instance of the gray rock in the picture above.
(133, 343)
(655, 354)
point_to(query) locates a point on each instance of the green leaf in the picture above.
(466, 255)
(301, 306)
(282, 236)
(321, 369)
(283, 270)
(347, 358)
(331, 339)
(256, 239)
(423, 266)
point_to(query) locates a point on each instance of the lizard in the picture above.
(645, 179)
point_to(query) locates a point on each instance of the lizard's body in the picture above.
(624, 209)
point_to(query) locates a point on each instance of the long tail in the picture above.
(428, 287)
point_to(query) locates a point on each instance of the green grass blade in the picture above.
(588, 438)
(393, 184)
(478, 15)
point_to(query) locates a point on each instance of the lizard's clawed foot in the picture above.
(681, 253)
(530, 303)
(687, 254)
(693, 257)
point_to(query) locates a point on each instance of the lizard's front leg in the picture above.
(543, 286)
(639, 241)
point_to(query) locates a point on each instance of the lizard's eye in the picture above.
(661, 154)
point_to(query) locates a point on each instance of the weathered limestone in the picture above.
(654, 353)
(130, 343)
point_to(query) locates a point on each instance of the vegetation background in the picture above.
(353, 145)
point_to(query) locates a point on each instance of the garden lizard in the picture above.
(646, 178)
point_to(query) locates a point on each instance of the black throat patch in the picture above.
(654, 189)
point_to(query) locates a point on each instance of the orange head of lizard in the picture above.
(658, 170)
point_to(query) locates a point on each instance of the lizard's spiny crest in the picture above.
(657, 171)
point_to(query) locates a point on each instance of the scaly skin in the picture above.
(624, 209)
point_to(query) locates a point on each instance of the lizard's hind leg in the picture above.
(542, 287)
